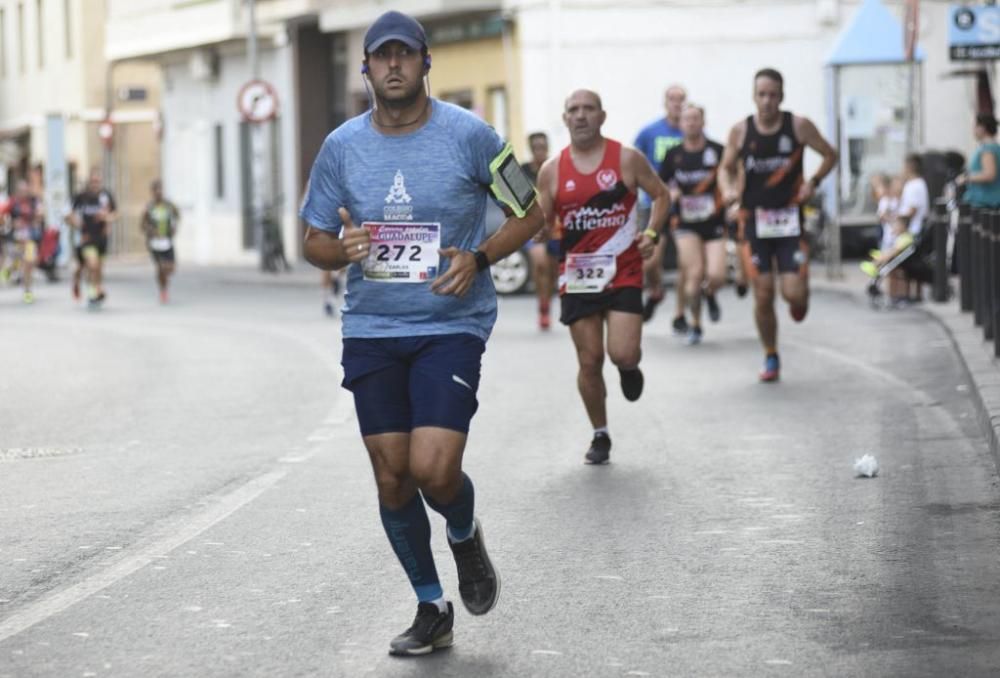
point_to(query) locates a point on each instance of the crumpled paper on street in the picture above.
(866, 467)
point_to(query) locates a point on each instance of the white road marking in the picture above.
(778, 662)
(781, 542)
(609, 577)
(551, 653)
(214, 513)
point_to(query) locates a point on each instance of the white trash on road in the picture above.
(866, 467)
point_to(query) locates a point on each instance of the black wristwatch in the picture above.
(482, 261)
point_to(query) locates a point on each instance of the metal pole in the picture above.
(963, 244)
(940, 234)
(995, 287)
(258, 152)
(833, 233)
(989, 228)
(975, 259)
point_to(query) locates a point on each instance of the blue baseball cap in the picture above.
(395, 26)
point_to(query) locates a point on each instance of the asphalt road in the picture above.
(183, 492)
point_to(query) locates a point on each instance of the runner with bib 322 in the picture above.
(591, 188)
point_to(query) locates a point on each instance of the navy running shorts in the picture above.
(403, 383)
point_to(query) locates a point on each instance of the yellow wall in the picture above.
(479, 66)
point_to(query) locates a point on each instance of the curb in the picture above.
(977, 366)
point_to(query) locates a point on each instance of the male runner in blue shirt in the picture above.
(654, 140)
(399, 195)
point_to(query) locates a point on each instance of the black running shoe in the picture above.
(431, 630)
(600, 450)
(632, 382)
(649, 308)
(714, 312)
(741, 290)
(478, 581)
(680, 326)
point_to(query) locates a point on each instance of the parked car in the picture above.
(511, 275)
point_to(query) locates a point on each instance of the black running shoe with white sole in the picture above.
(600, 450)
(431, 630)
(478, 580)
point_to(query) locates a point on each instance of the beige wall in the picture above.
(479, 66)
(72, 80)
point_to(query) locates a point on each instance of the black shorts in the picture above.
(706, 231)
(100, 243)
(162, 257)
(763, 255)
(576, 306)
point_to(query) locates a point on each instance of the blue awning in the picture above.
(874, 36)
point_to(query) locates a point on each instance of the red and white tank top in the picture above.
(597, 214)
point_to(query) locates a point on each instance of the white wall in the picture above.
(211, 230)
(949, 103)
(57, 86)
(631, 50)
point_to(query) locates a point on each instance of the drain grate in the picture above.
(18, 453)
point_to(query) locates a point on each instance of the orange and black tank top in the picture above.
(597, 213)
(772, 164)
(696, 174)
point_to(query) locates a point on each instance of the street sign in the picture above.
(257, 101)
(106, 132)
(974, 33)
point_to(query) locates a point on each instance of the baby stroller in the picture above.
(912, 260)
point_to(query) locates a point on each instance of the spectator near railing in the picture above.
(978, 237)
(982, 180)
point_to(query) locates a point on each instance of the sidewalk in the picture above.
(982, 369)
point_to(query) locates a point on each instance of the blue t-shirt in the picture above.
(654, 141)
(984, 195)
(437, 174)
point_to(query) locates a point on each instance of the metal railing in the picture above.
(977, 247)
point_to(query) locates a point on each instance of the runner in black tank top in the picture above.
(768, 147)
(691, 171)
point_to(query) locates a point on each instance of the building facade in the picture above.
(52, 62)
(310, 53)
(511, 61)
